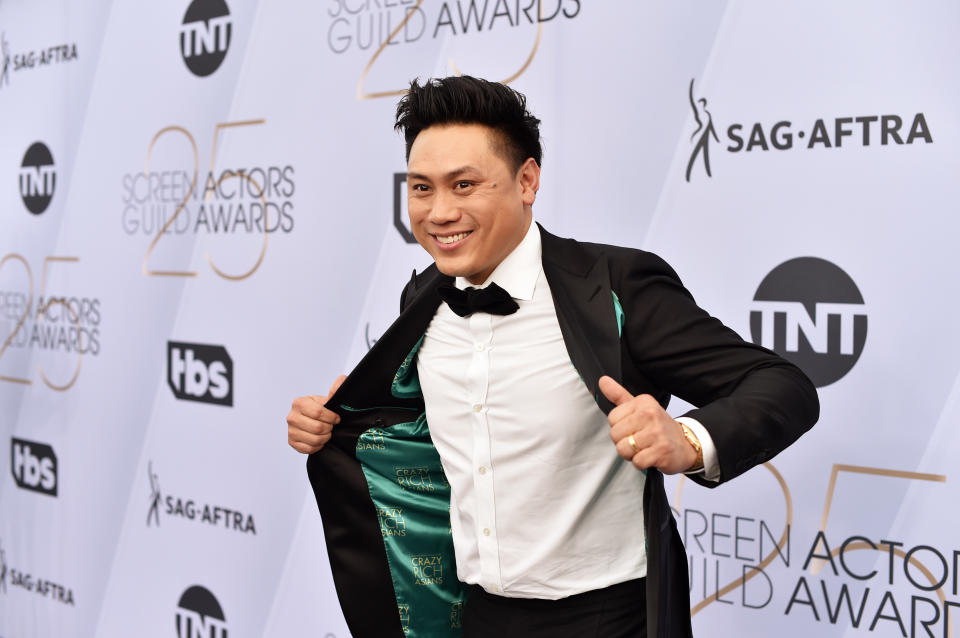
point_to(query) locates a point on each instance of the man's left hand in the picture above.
(658, 439)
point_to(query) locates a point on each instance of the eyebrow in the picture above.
(448, 176)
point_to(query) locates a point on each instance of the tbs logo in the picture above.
(200, 372)
(34, 466)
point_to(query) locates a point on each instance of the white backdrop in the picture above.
(155, 323)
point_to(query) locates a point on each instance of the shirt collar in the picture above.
(518, 272)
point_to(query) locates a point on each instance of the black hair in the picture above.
(468, 100)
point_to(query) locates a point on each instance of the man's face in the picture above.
(467, 206)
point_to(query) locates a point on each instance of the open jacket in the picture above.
(382, 495)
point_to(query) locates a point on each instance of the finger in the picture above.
(643, 460)
(329, 416)
(303, 448)
(295, 435)
(313, 429)
(336, 385)
(639, 412)
(614, 392)
(620, 431)
(312, 408)
(308, 425)
(625, 450)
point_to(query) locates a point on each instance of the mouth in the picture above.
(448, 242)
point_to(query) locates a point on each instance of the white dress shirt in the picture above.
(541, 505)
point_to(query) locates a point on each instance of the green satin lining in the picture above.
(406, 382)
(412, 496)
(621, 316)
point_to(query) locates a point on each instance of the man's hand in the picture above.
(309, 424)
(659, 439)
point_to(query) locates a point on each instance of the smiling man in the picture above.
(493, 467)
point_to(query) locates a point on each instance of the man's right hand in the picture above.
(309, 424)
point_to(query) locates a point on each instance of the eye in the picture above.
(462, 184)
(418, 188)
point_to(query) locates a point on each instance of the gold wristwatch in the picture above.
(695, 443)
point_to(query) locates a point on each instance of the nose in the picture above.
(445, 209)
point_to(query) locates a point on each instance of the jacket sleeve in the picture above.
(753, 402)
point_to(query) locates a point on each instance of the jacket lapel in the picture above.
(580, 285)
(369, 384)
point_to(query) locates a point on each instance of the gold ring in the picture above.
(633, 444)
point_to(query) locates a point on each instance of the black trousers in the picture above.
(618, 611)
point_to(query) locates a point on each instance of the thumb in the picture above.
(336, 385)
(614, 392)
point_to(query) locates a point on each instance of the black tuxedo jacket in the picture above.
(753, 403)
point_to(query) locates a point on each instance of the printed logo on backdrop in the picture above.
(29, 60)
(3, 570)
(32, 318)
(235, 209)
(205, 36)
(468, 27)
(200, 372)
(199, 614)
(741, 560)
(194, 510)
(4, 60)
(38, 178)
(400, 214)
(824, 133)
(14, 578)
(33, 466)
(809, 311)
(400, 221)
(368, 338)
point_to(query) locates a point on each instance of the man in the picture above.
(543, 367)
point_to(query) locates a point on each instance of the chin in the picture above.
(452, 269)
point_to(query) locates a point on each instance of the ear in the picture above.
(529, 179)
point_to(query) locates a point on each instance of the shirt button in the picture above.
(477, 407)
(486, 531)
(482, 469)
(479, 347)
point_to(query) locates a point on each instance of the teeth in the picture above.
(452, 238)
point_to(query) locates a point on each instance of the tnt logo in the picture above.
(38, 178)
(811, 312)
(205, 36)
(199, 615)
(427, 569)
(199, 372)
(34, 466)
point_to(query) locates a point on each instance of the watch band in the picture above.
(695, 443)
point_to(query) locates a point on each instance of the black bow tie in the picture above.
(492, 299)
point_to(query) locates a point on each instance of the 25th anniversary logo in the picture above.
(176, 200)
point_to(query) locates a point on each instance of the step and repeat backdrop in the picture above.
(203, 216)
